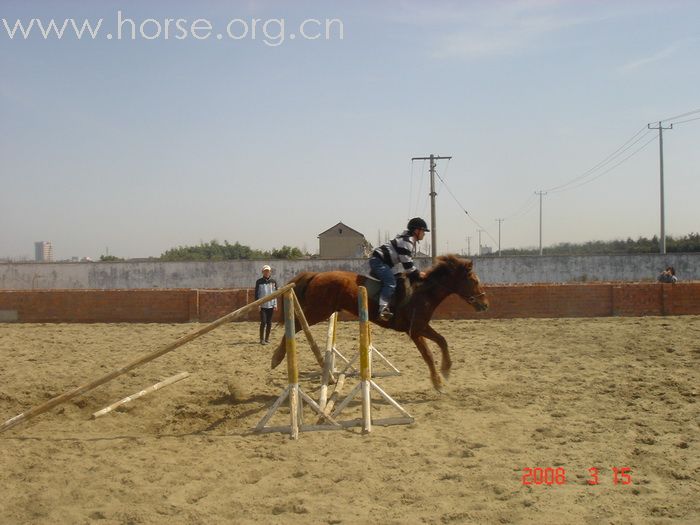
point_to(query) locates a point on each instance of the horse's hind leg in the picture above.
(429, 359)
(446, 360)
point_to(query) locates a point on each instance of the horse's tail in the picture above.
(300, 281)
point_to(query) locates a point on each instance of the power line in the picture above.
(463, 208)
(524, 209)
(420, 186)
(410, 190)
(628, 144)
(652, 139)
(684, 121)
(681, 115)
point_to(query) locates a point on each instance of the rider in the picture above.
(386, 258)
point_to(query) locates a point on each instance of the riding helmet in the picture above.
(417, 223)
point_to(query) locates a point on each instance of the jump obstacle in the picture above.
(292, 392)
(328, 421)
(67, 396)
(331, 357)
(366, 383)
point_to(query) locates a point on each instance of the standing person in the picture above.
(265, 286)
(394, 257)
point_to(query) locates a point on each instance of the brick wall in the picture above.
(96, 306)
(508, 301)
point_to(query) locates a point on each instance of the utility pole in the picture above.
(540, 193)
(662, 239)
(433, 228)
(499, 235)
(479, 232)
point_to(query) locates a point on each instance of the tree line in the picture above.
(215, 251)
(684, 244)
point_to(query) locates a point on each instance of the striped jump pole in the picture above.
(292, 364)
(365, 360)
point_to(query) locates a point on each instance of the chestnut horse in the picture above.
(322, 293)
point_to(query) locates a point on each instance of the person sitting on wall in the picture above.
(668, 275)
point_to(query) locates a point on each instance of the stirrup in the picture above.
(385, 314)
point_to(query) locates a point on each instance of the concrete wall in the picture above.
(507, 301)
(242, 274)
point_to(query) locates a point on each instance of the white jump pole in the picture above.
(152, 388)
(328, 360)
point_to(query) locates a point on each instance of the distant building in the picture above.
(342, 242)
(43, 251)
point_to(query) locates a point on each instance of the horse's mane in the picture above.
(448, 266)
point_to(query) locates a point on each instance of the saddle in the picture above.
(401, 296)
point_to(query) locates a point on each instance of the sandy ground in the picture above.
(562, 394)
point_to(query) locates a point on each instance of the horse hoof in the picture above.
(439, 385)
(276, 360)
(445, 374)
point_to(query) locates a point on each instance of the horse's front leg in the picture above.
(279, 354)
(446, 360)
(281, 351)
(429, 359)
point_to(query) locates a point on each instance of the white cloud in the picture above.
(505, 29)
(659, 55)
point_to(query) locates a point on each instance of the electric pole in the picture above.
(662, 239)
(540, 193)
(433, 228)
(499, 235)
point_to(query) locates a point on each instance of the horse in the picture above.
(322, 293)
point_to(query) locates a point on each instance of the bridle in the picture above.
(473, 298)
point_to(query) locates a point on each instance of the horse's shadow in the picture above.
(261, 402)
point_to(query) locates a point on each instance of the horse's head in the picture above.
(458, 276)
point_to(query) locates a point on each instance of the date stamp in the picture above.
(557, 476)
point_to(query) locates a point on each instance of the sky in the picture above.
(134, 146)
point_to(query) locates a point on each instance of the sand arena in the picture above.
(568, 394)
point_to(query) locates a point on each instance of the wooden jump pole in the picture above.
(292, 364)
(152, 388)
(328, 360)
(29, 414)
(365, 360)
(366, 383)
